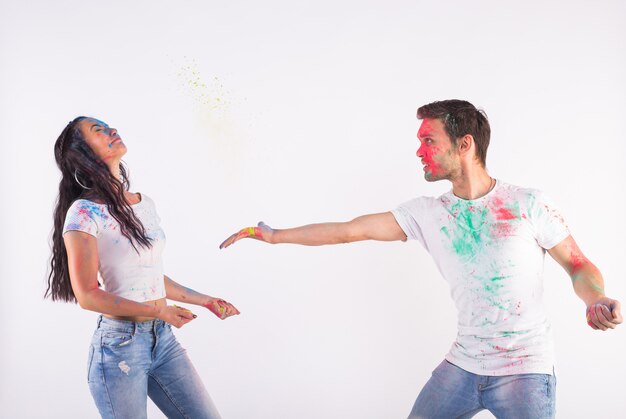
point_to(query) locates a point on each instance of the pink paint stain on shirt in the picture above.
(503, 229)
(554, 214)
(504, 214)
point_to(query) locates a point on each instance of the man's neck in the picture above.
(472, 183)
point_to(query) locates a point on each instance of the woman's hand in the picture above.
(220, 308)
(176, 316)
(262, 232)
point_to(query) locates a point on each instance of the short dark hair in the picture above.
(461, 118)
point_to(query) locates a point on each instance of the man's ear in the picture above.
(465, 144)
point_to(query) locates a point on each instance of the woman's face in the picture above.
(102, 139)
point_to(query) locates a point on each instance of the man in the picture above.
(488, 239)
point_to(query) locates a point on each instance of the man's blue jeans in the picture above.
(453, 392)
(129, 361)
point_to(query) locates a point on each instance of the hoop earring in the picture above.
(77, 181)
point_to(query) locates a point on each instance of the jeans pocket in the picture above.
(551, 386)
(115, 339)
(89, 360)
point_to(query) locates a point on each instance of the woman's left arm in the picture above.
(177, 292)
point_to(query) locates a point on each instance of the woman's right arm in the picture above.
(82, 257)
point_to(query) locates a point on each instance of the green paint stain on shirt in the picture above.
(492, 285)
(513, 333)
(514, 208)
(467, 236)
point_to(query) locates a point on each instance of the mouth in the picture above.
(116, 140)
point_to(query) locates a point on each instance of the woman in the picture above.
(102, 230)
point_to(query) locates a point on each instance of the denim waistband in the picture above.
(129, 326)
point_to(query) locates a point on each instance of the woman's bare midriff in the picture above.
(161, 302)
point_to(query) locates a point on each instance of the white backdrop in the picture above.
(299, 112)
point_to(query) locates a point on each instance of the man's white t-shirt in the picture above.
(491, 251)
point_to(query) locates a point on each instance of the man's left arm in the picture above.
(602, 312)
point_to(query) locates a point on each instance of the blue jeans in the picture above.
(453, 392)
(129, 361)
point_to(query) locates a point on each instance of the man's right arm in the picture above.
(382, 227)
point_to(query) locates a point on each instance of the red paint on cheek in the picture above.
(429, 157)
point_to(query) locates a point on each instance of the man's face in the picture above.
(437, 153)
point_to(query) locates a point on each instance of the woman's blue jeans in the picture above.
(453, 392)
(129, 361)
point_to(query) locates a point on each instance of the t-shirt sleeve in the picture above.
(80, 217)
(407, 216)
(156, 214)
(548, 222)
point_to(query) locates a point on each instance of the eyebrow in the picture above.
(425, 135)
(96, 125)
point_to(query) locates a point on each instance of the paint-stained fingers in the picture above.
(176, 316)
(226, 309)
(230, 240)
(258, 233)
(241, 234)
(616, 313)
(595, 311)
(185, 313)
(217, 309)
(252, 232)
(597, 317)
(590, 321)
(231, 310)
(222, 308)
(604, 316)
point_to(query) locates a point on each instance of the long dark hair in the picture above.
(84, 175)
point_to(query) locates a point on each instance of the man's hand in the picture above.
(262, 232)
(604, 314)
(221, 308)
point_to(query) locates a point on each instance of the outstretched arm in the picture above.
(177, 292)
(602, 312)
(382, 226)
(82, 255)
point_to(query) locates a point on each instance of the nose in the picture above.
(113, 132)
(420, 152)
